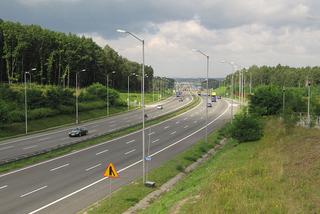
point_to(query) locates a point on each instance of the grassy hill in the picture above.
(278, 174)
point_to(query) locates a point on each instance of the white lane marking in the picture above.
(155, 141)
(36, 190)
(177, 122)
(111, 130)
(195, 121)
(30, 147)
(95, 126)
(174, 132)
(166, 127)
(43, 139)
(95, 166)
(185, 118)
(151, 133)
(7, 147)
(131, 141)
(102, 152)
(59, 167)
(125, 168)
(94, 130)
(186, 126)
(3, 186)
(94, 146)
(130, 151)
(65, 138)
(201, 118)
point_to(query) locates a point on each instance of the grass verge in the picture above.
(68, 149)
(277, 174)
(130, 194)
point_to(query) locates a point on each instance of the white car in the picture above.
(159, 107)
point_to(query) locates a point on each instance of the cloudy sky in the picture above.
(261, 32)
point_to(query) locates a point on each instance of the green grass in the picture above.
(148, 98)
(278, 174)
(130, 194)
(16, 129)
(65, 150)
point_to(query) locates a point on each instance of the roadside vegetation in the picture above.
(52, 106)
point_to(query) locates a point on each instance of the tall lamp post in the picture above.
(232, 83)
(25, 97)
(113, 72)
(207, 57)
(142, 103)
(133, 74)
(309, 96)
(77, 94)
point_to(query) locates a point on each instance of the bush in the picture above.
(16, 116)
(245, 128)
(41, 113)
(4, 112)
(91, 105)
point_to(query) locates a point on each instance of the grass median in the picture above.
(84, 144)
(132, 193)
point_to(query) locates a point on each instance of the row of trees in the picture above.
(58, 56)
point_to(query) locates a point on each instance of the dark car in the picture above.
(209, 104)
(78, 132)
(180, 99)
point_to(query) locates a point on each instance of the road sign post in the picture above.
(110, 173)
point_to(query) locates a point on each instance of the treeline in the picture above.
(58, 56)
(279, 76)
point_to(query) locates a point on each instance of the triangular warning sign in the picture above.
(111, 172)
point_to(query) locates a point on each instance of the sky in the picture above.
(247, 32)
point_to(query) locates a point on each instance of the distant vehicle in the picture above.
(213, 99)
(209, 104)
(181, 99)
(145, 116)
(178, 93)
(78, 132)
(199, 93)
(219, 97)
(159, 107)
(213, 93)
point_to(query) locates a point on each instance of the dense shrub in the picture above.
(41, 113)
(91, 105)
(16, 116)
(4, 111)
(245, 128)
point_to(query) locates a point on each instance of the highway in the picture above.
(70, 183)
(27, 145)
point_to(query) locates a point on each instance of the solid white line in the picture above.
(130, 151)
(59, 167)
(186, 126)
(155, 141)
(93, 167)
(3, 187)
(7, 147)
(36, 190)
(174, 132)
(151, 133)
(102, 152)
(166, 127)
(131, 141)
(94, 146)
(121, 170)
(30, 147)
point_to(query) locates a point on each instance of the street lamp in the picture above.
(142, 102)
(232, 89)
(77, 104)
(283, 100)
(133, 74)
(113, 72)
(309, 96)
(196, 50)
(25, 97)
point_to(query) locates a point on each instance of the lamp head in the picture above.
(121, 31)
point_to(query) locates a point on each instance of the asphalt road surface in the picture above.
(70, 183)
(28, 145)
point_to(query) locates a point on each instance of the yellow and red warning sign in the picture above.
(111, 171)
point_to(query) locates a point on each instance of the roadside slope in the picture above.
(278, 174)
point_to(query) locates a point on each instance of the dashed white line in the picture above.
(95, 126)
(30, 147)
(130, 151)
(186, 126)
(151, 133)
(95, 166)
(131, 141)
(7, 147)
(36, 190)
(43, 139)
(185, 118)
(94, 130)
(59, 167)
(102, 152)
(166, 127)
(195, 121)
(177, 122)
(3, 186)
(174, 132)
(155, 141)
(65, 138)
